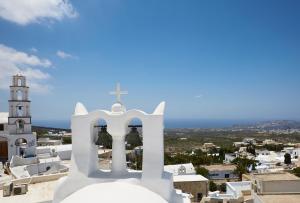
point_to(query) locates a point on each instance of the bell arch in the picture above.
(20, 126)
(104, 142)
(19, 82)
(20, 144)
(134, 142)
(19, 94)
(20, 110)
(83, 126)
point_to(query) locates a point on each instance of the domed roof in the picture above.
(114, 192)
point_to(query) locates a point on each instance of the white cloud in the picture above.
(14, 56)
(14, 62)
(24, 12)
(199, 96)
(63, 55)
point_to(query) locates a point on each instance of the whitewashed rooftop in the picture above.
(177, 169)
(189, 178)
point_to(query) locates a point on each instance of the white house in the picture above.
(262, 152)
(221, 171)
(294, 152)
(249, 141)
(229, 158)
(235, 193)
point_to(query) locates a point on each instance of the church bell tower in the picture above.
(19, 120)
(21, 141)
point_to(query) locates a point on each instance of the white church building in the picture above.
(16, 137)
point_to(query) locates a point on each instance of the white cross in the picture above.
(118, 92)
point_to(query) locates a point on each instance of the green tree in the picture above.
(222, 153)
(67, 140)
(274, 147)
(242, 164)
(137, 162)
(202, 171)
(287, 158)
(240, 170)
(251, 149)
(223, 187)
(212, 186)
(296, 171)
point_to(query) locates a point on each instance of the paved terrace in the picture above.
(37, 193)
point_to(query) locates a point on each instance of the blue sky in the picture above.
(206, 59)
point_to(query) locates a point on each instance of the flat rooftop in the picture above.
(282, 198)
(37, 193)
(220, 167)
(189, 178)
(274, 176)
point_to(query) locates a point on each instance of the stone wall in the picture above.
(193, 187)
(38, 179)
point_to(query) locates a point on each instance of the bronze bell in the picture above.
(103, 130)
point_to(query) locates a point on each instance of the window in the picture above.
(226, 175)
(1, 127)
(181, 170)
(19, 110)
(19, 82)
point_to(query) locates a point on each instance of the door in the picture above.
(3, 150)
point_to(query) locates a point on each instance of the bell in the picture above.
(133, 138)
(104, 138)
(98, 141)
(103, 130)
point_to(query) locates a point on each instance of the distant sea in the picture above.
(169, 123)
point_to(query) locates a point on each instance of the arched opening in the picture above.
(20, 142)
(134, 144)
(19, 82)
(104, 142)
(20, 124)
(20, 110)
(21, 145)
(19, 95)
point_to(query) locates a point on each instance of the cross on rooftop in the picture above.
(118, 92)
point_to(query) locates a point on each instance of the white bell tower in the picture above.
(19, 120)
(21, 141)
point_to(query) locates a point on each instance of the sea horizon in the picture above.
(169, 123)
